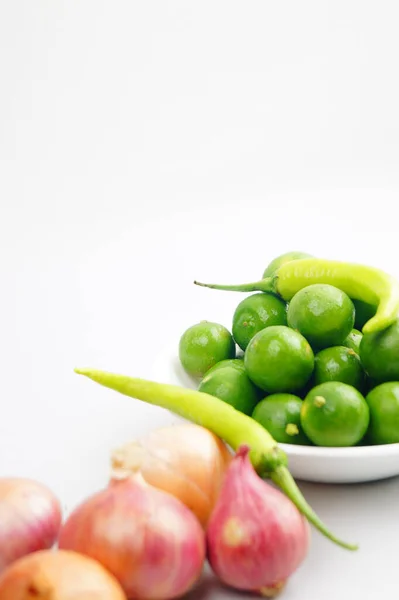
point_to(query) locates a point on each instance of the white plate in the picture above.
(325, 465)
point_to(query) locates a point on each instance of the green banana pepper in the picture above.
(360, 282)
(223, 420)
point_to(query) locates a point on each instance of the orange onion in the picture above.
(30, 518)
(186, 460)
(146, 538)
(61, 575)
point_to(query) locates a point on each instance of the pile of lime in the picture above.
(302, 369)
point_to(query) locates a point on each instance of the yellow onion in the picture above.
(61, 575)
(185, 460)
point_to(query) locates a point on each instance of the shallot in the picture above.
(61, 575)
(256, 537)
(30, 519)
(185, 460)
(149, 540)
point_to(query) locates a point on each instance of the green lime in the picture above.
(363, 313)
(334, 414)
(255, 313)
(281, 260)
(232, 385)
(280, 414)
(353, 340)
(203, 345)
(235, 363)
(323, 314)
(383, 403)
(338, 364)
(279, 359)
(379, 353)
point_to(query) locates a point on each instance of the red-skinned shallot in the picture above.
(30, 518)
(147, 538)
(256, 537)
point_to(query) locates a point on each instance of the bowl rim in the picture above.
(341, 452)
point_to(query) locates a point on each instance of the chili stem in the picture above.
(263, 285)
(283, 478)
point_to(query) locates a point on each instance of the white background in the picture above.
(145, 144)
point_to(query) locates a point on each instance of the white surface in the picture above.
(145, 144)
(307, 463)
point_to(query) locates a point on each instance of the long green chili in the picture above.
(224, 421)
(358, 281)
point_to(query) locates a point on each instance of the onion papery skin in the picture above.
(185, 460)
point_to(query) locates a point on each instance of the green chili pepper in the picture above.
(223, 420)
(358, 281)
